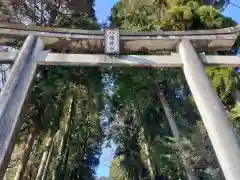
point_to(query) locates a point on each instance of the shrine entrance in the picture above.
(107, 49)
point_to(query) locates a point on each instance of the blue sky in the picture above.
(103, 8)
(233, 11)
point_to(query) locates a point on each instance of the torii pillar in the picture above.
(219, 128)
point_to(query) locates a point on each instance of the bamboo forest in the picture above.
(146, 115)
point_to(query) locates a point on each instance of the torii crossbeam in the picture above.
(188, 45)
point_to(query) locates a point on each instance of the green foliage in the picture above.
(135, 93)
(223, 83)
(78, 20)
(116, 171)
(235, 116)
(209, 17)
(166, 15)
(134, 101)
(46, 106)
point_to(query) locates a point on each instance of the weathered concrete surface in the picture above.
(13, 96)
(174, 60)
(86, 41)
(220, 131)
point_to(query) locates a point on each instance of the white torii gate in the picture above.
(188, 44)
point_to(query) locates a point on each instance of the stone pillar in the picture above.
(13, 95)
(219, 128)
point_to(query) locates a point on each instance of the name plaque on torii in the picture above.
(111, 41)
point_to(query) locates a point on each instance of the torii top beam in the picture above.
(80, 41)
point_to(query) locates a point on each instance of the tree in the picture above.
(144, 136)
(45, 110)
(137, 88)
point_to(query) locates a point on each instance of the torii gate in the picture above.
(108, 45)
